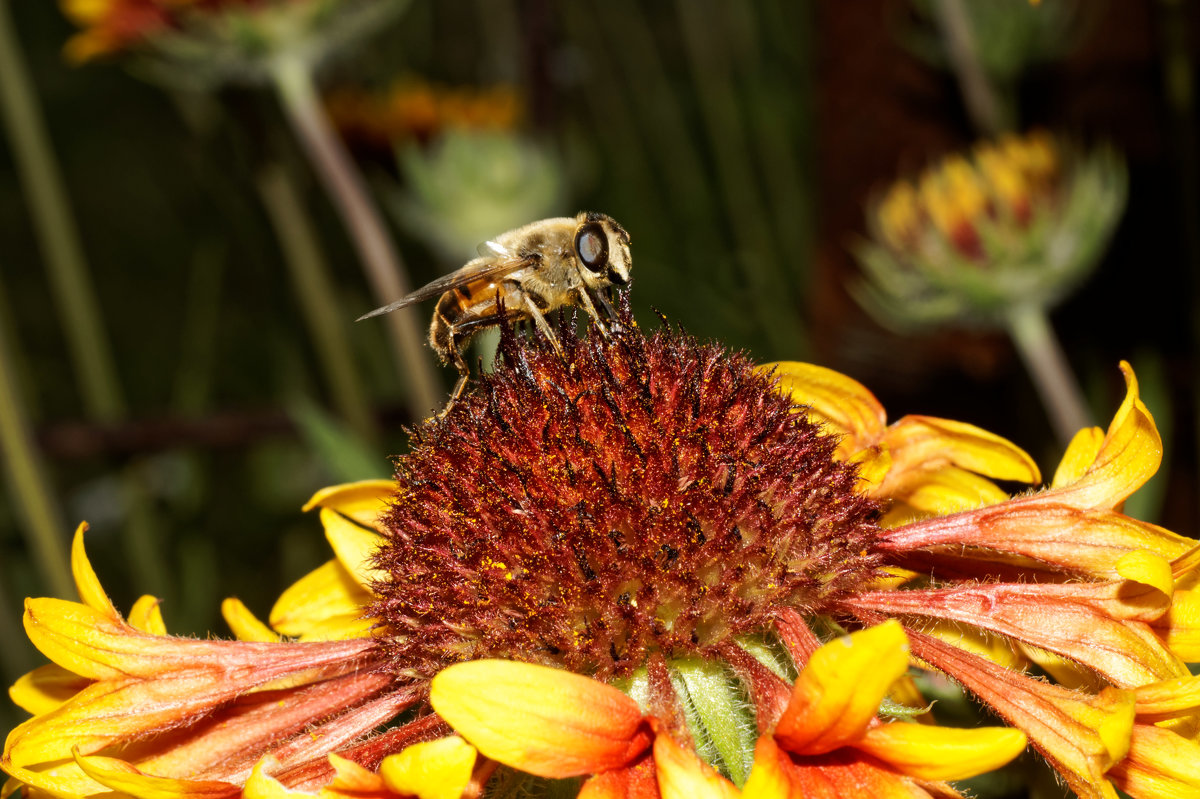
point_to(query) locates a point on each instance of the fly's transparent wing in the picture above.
(493, 249)
(476, 270)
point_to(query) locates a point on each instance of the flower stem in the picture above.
(385, 270)
(989, 113)
(310, 279)
(1047, 365)
(42, 523)
(56, 231)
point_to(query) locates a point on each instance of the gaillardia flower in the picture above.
(646, 568)
(1016, 224)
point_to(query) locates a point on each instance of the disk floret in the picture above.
(636, 495)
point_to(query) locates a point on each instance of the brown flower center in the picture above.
(637, 495)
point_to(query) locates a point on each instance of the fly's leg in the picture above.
(586, 299)
(542, 325)
(460, 335)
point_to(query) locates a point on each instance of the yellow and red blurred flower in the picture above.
(1018, 222)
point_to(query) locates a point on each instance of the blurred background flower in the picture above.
(995, 240)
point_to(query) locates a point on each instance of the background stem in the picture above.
(989, 114)
(385, 271)
(34, 497)
(1047, 365)
(57, 234)
(310, 279)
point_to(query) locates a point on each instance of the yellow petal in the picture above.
(86, 581)
(1080, 455)
(261, 785)
(1129, 456)
(328, 594)
(1148, 568)
(1180, 625)
(1160, 764)
(1065, 672)
(146, 615)
(46, 688)
(940, 492)
(364, 501)
(839, 691)
(547, 722)
(970, 639)
(769, 776)
(438, 769)
(842, 405)
(78, 637)
(245, 625)
(1168, 698)
(1186, 568)
(682, 775)
(350, 780)
(920, 441)
(124, 778)
(64, 780)
(86, 13)
(942, 753)
(354, 546)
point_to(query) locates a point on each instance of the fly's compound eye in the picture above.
(591, 245)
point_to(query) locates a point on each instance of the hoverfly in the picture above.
(530, 272)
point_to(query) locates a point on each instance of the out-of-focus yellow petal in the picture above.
(146, 615)
(942, 753)
(922, 441)
(1065, 672)
(682, 775)
(1167, 698)
(92, 43)
(537, 719)
(325, 604)
(1186, 569)
(353, 545)
(364, 501)
(970, 639)
(940, 492)
(873, 467)
(841, 404)
(125, 779)
(86, 581)
(1129, 456)
(86, 13)
(1180, 626)
(893, 577)
(1160, 765)
(838, 693)
(770, 776)
(46, 688)
(1148, 568)
(352, 781)
(245, 625)
(1081, 453)
(261, 785)
(64, 780)
(438, 769)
